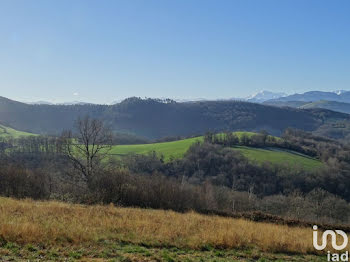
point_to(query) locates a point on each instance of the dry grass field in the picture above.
(57, 231)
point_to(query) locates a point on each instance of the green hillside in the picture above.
(155, 118)
(279, 156)
(331, 105)
(324, 104)
(177, 149)
(10, 132)
(174, 149)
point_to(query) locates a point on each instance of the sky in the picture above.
(105, 51)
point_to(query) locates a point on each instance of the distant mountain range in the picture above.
(155, 118)
(312, 96)
(330, 105)
(260, 97)
(63, 103)
(40, 103)
(337, 101)
(264, 96)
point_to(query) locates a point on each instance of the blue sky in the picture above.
(102, 51)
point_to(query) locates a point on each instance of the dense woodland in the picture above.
(155, 119)
(211, 177)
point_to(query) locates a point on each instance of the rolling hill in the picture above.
(10, 132)
(331, 105)
(152, 118)
(294, 104)
(177, 149)
(278, 156)
(324, 104)
(174, 149)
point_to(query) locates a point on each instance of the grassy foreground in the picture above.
(54, 231)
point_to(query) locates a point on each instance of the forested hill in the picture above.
(154, 118)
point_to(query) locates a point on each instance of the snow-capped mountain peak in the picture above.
(264, 96)
(339, 92)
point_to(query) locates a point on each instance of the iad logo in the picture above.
(333, 235)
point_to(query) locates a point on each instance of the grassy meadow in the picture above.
(10, 132)
(55, 231)
(277, 156)
(173, 149)
(177, 149)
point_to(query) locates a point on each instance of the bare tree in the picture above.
(88, 146)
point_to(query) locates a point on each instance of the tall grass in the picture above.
(55, 223)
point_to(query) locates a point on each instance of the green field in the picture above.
(10, 132)
(278, 156)
(177, 149)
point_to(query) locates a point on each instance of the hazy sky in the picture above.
(101, 51)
